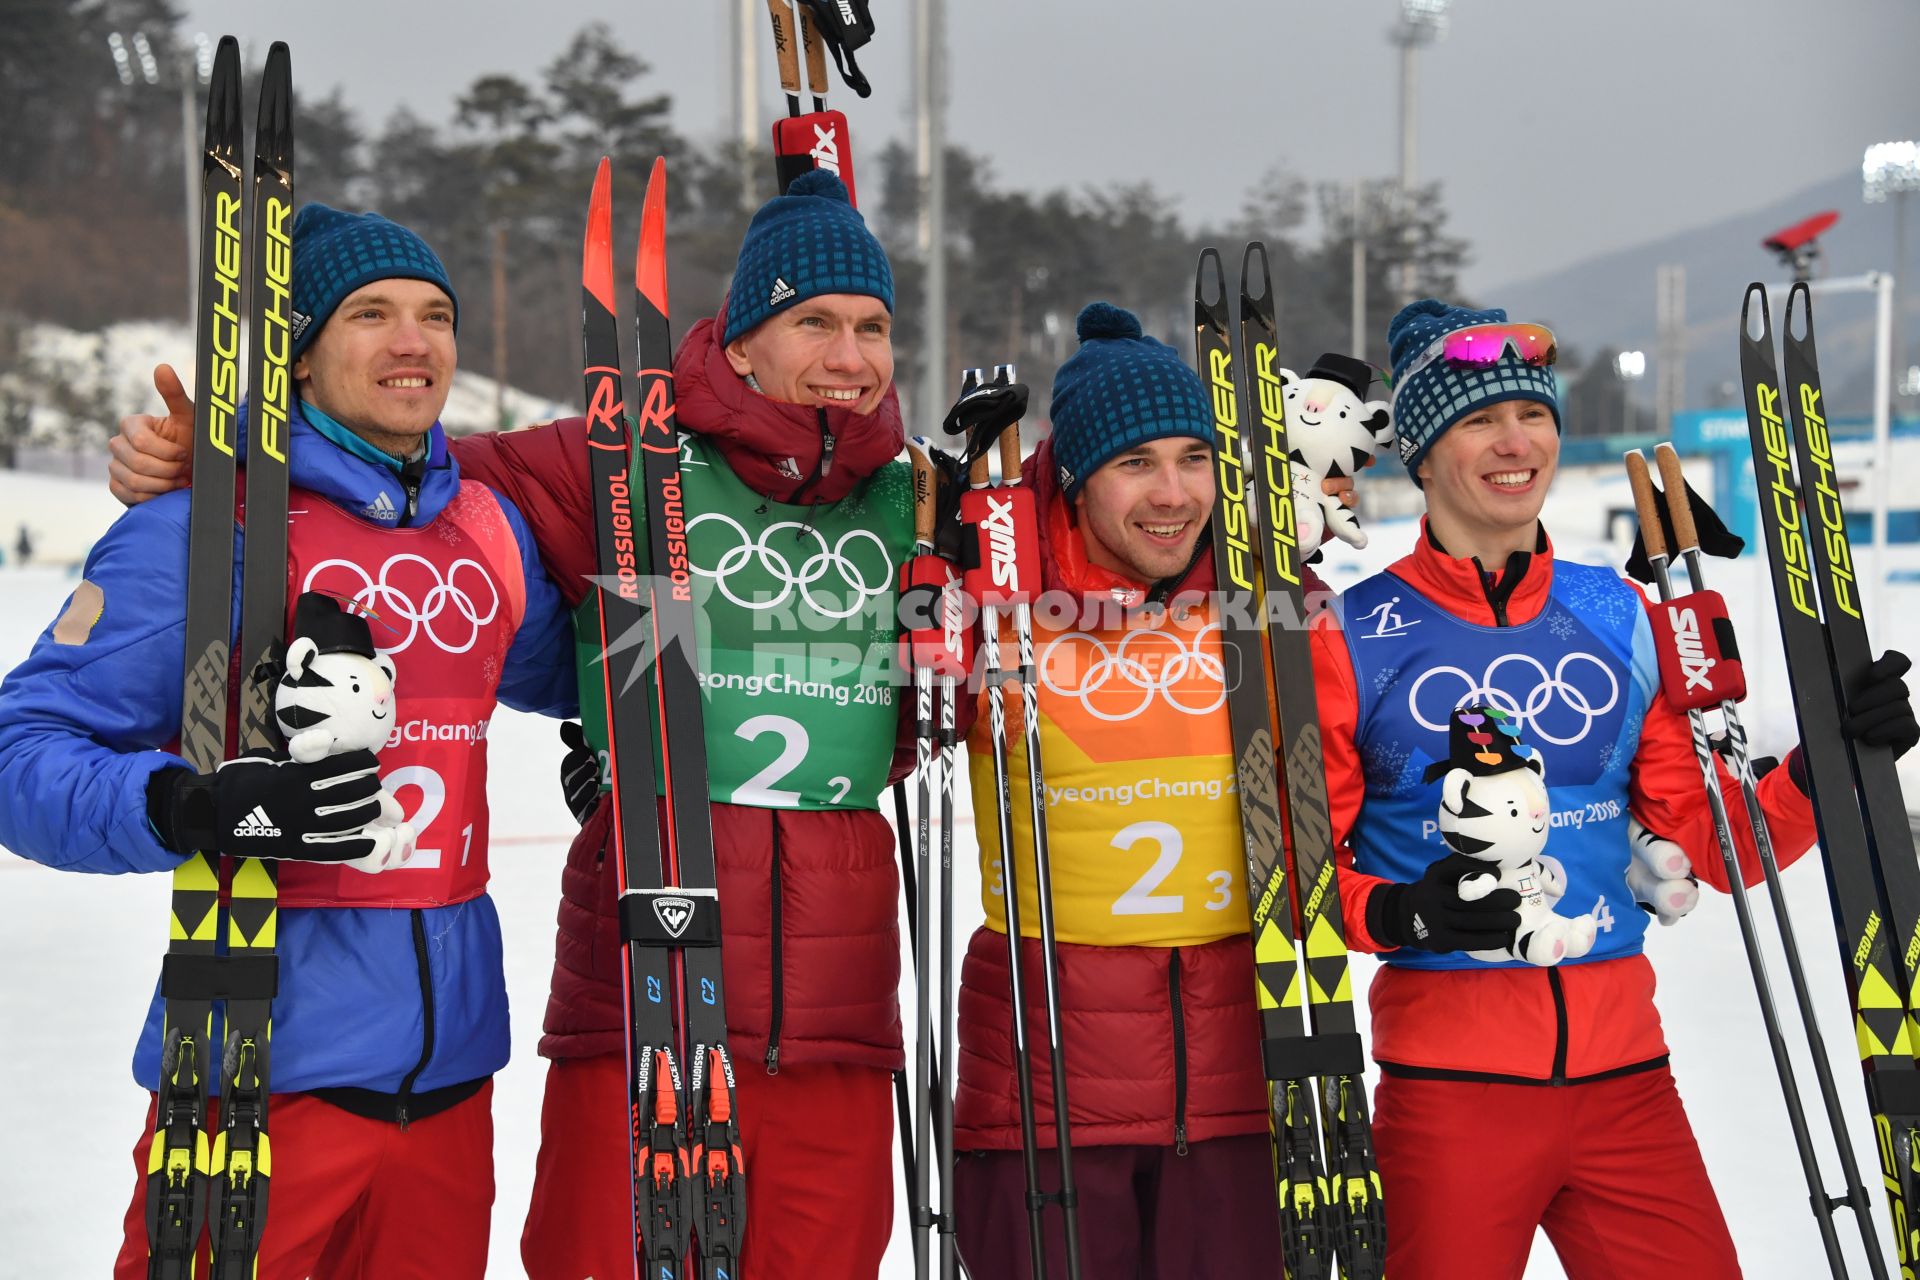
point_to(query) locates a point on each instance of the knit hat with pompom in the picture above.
(1119, 390)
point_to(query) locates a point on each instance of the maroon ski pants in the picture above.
(1146, 1213)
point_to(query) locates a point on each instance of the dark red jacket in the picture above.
(1573, 1021)
(808, 899)
(1162, 1044)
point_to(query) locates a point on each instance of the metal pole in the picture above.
(746, 95)
(930, 94)
(1406, 272)
(1882, 432)
(189, 77)
(1359, 339)
(500, 326)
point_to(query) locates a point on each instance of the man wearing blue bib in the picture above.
(1474, 1152)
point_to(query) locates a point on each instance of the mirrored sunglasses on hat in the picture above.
(1482, 346)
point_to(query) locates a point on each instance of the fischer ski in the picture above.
(1875, 890)
(183, 1166)
(242, 1159)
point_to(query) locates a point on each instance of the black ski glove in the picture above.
(1880, 709)
(579, 772)
(259, 808)
(1430, 915)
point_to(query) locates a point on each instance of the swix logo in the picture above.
(1001, 543)
(1777, 481)
(1833, 522)
(826, 149)
(674, 914)
(1687, 643)
(846, 12)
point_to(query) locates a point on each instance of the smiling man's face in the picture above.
(383, 365)
(834, 350)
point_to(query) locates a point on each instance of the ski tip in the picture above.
(650, 264)
(1753, 308)
(1209, 265)
(1799, 324)
(273, 144)
(596, 266)
(223, 99)
(1256, 249)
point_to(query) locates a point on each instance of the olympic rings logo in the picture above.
(816, 559)
(1136, 678)
(1551, 691)
(392, 604)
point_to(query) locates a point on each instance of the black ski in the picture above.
(719, 1182)
(178, 1159)
(1865, 880)
(662, 1169)
(1357, 1219)
(1305, 1232)
(242, 1159)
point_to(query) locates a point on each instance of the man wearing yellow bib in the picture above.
(1168, 1103)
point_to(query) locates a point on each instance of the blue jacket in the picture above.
(80, 725)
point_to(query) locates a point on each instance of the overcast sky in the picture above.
(1560, 128)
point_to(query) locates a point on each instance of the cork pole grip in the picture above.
(1643, 503)
(1010, 455)
(1675, 483)
(977, 474)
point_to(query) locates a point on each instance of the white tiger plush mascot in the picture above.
(1332, 430)
(1494, 808)
(335, 694)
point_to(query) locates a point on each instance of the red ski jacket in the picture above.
(1162, 1044)
(812, 949)
(1572, 1022)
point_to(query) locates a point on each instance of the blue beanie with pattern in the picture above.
(335, 253)
(808, 242)
(1439, 395)
(1120, 389)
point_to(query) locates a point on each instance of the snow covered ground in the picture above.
(78, 960)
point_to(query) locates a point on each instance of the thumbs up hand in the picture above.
(153, 452)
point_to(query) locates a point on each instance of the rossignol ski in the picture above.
(662, 1171)
(184, 1166)
(1695, 616)
(1875, 892)
(687, 1176)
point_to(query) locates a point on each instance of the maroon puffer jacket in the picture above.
(812, 948)
(1162, 1044)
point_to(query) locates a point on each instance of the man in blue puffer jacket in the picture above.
(391, 1016)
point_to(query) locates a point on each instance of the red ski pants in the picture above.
(816, 1142)
(357, 1199)
(1609, 1169)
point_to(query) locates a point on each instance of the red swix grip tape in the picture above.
(817, 140)
(1699, 660)
(936, 637)
(1005, 566)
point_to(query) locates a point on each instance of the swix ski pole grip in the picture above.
(1699, 659)
(924, 580)
(815, 49)
(817, 140)
(1685, 536)
(1645, 506)
(1010, 455)
(786, 50)
(1007, 539)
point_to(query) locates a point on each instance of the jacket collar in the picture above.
(1504, 595)
(410, 497)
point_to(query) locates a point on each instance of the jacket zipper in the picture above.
(1559, 1027)
(1179, 1053)
(426, 1013)
(411, 476)
(779, 974)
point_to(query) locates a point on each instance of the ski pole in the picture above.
(816, 59)
(786, 51)
(925, 579)
(1658, 556)
(957, 660)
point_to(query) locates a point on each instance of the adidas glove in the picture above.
(332, 810)
(579, 772)
(1430, 914)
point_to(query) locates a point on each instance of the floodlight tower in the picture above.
(1893, 169)
(135, 63)
(1421, 23)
